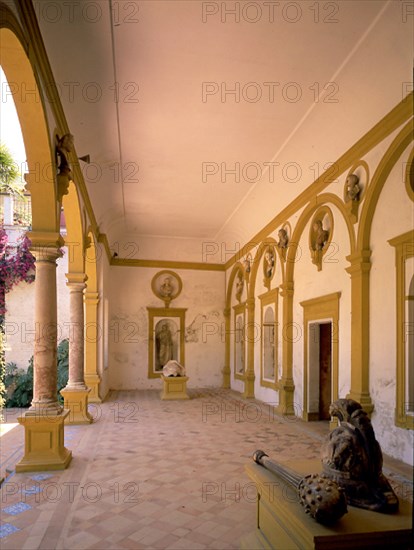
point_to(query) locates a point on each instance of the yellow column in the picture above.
(286, 385)
(359, 271)
(226, 369)
(44, 421)
(92, 336)
(75, 394)
(249, 375)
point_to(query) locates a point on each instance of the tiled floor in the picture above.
(152, 474)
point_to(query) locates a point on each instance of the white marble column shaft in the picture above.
(45, 316)
(76, 337)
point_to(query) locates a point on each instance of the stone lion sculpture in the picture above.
(352, 457)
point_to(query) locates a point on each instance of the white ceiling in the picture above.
(161, 131)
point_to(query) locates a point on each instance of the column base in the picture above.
(249, 385)
(44, 443)
(226, 378)
(92, 381)
(286, 406)
(76, 401)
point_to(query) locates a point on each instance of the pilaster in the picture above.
(92, 378)
(286, 385)
(359, 270)
(249, 377)
(226, 369)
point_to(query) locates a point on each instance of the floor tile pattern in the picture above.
(152, 474)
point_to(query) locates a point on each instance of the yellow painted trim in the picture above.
(39, 59)
(239, 309)
(169, 312)
(386, 126)
(316, 309)
(404, 249)
(321, 200)
(74, 239)
(316, 255)
(198, 266)
(386, 164)
(91, 300)
(19, 65)
(228, 333)
(409, 175)
(155, 290)
(270, 241)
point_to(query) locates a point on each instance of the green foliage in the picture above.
(63, 366)
(10, 177)
(2, 373)
(19, 383)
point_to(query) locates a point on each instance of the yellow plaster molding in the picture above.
(380, 176)
(404, 249)
(402, 112)
(76, 278)
(198, 266)
(409, 176)
(317, 309)
(45, 239)
(239, 309)
(164, 312)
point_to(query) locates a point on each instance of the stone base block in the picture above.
(174, 387)
(76, 401)
(44, 443)
(282, 522)
(92, 381)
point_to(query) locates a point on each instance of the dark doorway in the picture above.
(325, 370)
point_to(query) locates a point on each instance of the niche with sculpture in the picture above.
(269, 265)
(247, 266)
(354, 187)
(165, 339)
(283, 240)
(239, 285)
(320, 235)
(166, 285)
(239, 349)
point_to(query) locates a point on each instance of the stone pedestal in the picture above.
(174, 387)
(282, 522)
(76, 402)
(44, 442)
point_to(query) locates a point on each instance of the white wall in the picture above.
(130, 295)
(393, 216)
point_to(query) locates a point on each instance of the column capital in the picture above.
(76, 280)
(91, 297)
(360, 261)
(250, 303)
(45, 239)
(287, 289)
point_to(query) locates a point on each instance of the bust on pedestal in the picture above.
(174, 381)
